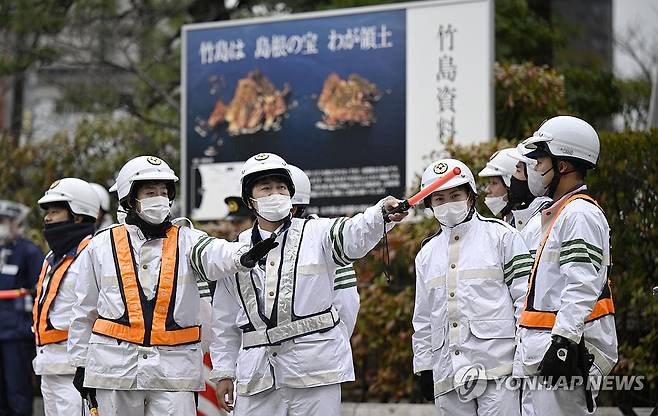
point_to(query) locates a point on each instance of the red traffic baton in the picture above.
(14, 293)
(408, 203)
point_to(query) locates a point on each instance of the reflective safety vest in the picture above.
(283, 324)
(536, 319)
(146, 322)
(44, 332)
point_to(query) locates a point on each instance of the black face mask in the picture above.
(63, 236)
(519, 193)
(149, 230)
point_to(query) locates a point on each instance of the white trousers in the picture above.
(560, 402)
(286, 401)
(145, 403)
(496, 400)
(60, 398)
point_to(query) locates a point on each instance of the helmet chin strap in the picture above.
(557, 175)
(552, 186)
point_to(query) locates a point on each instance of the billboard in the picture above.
(357, 98)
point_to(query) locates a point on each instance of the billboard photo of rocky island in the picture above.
(328, 94)
(347, 102)
(256, 105)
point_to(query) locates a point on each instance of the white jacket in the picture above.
(346, 294)
(572, 272)
(122, 365)
(470, 287)
(523, 217)
(52, 358)
(319, 358)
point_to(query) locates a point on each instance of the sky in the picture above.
(641, 15)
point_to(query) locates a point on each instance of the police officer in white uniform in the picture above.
(285, 305)
(135, 332)
(526, 217)
(71, 207)
(507, 188)
(568, 328)
(346, 294)
(471, 279)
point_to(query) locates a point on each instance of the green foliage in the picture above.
(625, 183)
(95, 151)
(22, 24)
(522, 35)
(525, 95)
(591, 94)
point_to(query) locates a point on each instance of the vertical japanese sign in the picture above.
(356, 98)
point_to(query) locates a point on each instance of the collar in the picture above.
(522, 216)
(462, 226)
(135, 231)
(550, 211)
(264, 233)
(50, 257)
(258, 234)
(561, 201)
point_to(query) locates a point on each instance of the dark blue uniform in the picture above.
(20, 264)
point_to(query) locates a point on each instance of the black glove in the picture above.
(585, 362)
(258, 251)
(79, 383)
(561, 359)
(427, 385)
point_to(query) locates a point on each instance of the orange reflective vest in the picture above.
(535, 319)
(146, 322)
(44, 332)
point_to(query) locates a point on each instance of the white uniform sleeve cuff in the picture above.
(221, 374)
(568, 335)
(236, 259)
(78, 362)
(422, 367)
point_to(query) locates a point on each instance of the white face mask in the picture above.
(273, 207)
(451, 213)
(154, 210)
(495, 203)
(5, 232)
(536, 181)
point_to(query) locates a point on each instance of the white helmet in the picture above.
(302, 186)
(78, 194)
(13, 210)
(143, 168)
(568, 137)
(503, 164)
(439, 168)
(261, 165)
(522, 152)
(103, 195)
